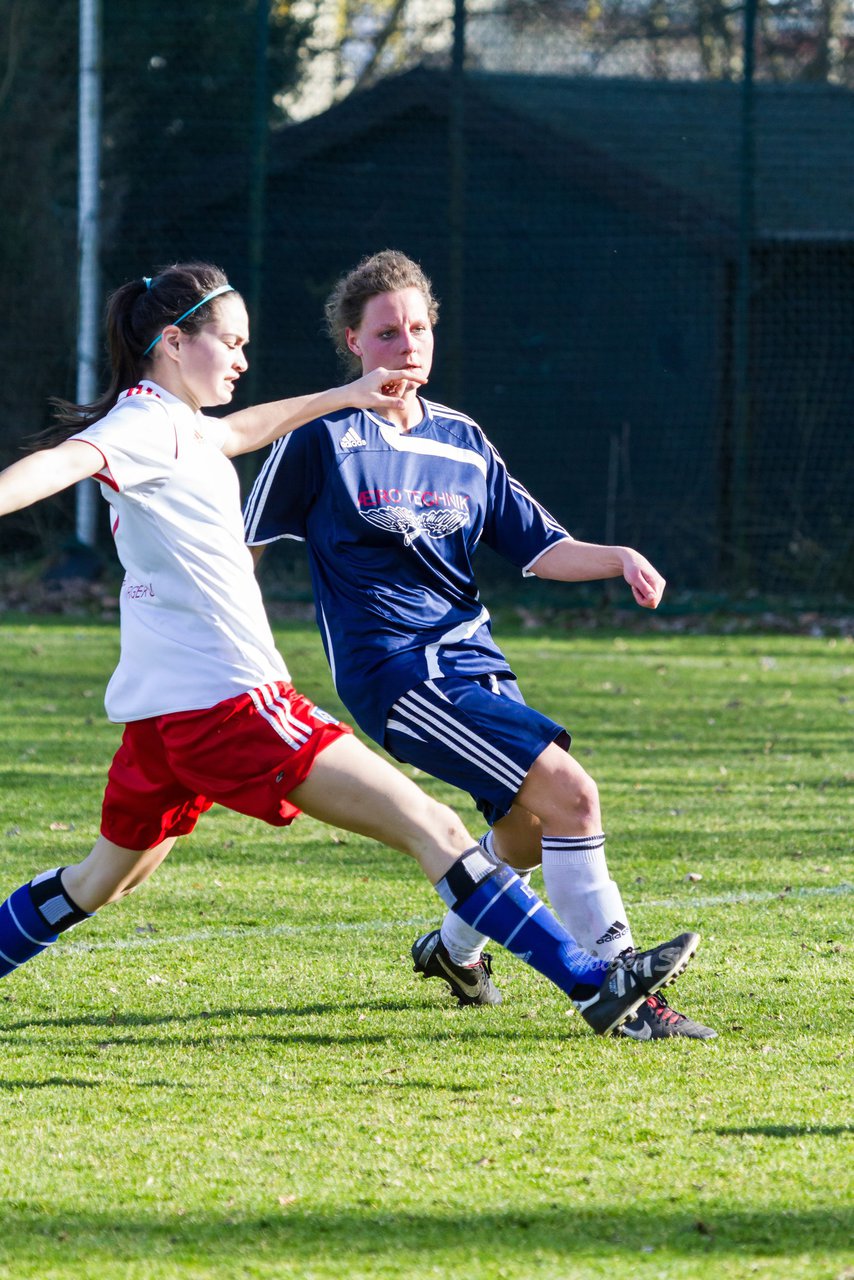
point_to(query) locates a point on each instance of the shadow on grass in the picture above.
(231, 1020)
(302, 1236)
(785, 1131)
(72, 1082)
(49, 1082)
(115, 1019)
(238, 1025)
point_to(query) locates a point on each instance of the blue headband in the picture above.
(214, 293)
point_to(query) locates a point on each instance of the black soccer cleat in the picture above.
(471, 984)
(655, 1020)
(630, 979)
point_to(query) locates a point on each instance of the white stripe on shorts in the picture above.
(404, 728)
(437, 723)
(301, 728)
(271, 711)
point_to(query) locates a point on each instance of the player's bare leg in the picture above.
(110, 872)
(561, 794)
(517, 839)
(351, 786)
(33, 917)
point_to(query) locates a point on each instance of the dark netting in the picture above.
(643, 245)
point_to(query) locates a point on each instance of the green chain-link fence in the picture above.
(643, 241)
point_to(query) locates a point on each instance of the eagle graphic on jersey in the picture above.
(436, 523)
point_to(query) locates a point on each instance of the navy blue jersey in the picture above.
(392, 520)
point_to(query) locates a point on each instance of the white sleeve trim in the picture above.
(528, 571)
(279, 537)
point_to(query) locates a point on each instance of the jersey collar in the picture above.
(386, 426)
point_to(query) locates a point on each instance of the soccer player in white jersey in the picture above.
(393, 505)
(210, 714)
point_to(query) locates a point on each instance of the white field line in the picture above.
(690, 902)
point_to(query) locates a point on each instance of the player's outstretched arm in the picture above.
(262, 424)
(49, 471)
(571, 561)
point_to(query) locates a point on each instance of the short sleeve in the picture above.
(287, 486)
(138, 442)
(516, 525)
(216, 431)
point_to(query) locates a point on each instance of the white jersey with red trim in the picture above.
(193, 626)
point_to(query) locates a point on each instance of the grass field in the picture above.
(236, 1074)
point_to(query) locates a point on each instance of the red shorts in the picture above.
(246, 753)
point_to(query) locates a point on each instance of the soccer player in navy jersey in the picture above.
(393, 507)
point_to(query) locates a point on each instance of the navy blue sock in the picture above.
(490, 897)
(33, 917)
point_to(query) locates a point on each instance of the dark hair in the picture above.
(383, 272)
(136, 313)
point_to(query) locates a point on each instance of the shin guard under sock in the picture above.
(33, 917)
(494, 900)
(463, 944)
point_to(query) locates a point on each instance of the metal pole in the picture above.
(258, 184)
(88, 212)
(743, 290)
(456, 203)
(248, 465)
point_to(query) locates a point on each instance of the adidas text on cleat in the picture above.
(655, 1020)
(630, 979)
(471, 984)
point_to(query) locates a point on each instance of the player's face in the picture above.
(214, 358)
(395, 333)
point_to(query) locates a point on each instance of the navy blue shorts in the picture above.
(476, 733)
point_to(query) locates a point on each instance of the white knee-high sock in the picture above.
(465, 944)
(583, 895)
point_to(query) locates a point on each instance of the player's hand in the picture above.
(384, 388)
(644, 579)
